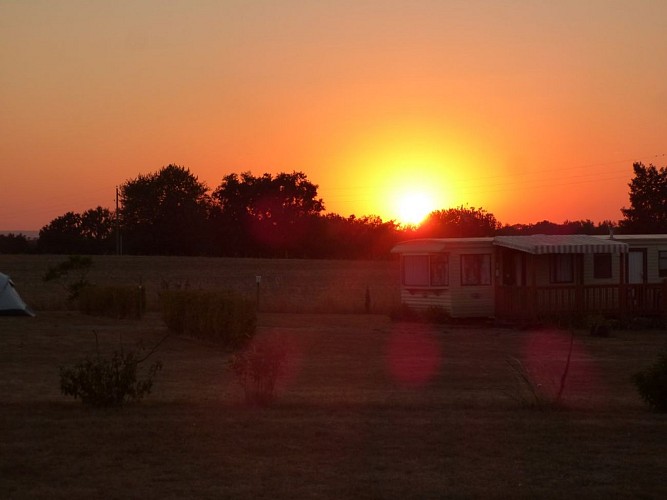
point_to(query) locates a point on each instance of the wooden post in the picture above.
(499, 306)
(622, 292)
(532, 307)
(579, 305)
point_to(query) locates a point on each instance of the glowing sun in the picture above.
(413, 208)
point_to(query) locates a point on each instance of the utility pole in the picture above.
(119, 238)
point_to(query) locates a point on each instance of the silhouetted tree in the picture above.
(165, 213)
(369, 237)
(88, 233)
(547, 227)
(266, 215)
(62, 235)
(460, 222)
(230, 215)
(581, 227)
(648, 199)
(97, 230)
(14, 243)
(376, 237)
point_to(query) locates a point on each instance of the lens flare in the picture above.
(413, 357)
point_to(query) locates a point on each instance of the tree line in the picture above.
(171, 212)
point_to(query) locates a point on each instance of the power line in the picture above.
(510, 185)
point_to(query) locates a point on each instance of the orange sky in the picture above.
(532, 110)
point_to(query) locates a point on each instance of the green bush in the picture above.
(106, 382)
(224, 318)
(652, 383)
(258, 368)
(113, 301)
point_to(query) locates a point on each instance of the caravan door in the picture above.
(637, 266)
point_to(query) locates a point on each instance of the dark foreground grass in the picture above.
(368, 409)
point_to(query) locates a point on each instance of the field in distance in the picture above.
(286, 285)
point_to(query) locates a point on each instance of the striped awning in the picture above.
(571, 243)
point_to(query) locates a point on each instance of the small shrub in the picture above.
(71, 274)
(598, 326)
(436, 314)
(432, 314)
(562, 321)
(113, 301)
(108, 381)
(258, 369)
(404, 312)
(652, 383)
(224, 318)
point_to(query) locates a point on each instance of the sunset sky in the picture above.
(532, 110)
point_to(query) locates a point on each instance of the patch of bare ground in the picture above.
(368, 408)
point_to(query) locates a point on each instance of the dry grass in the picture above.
(369, 409)
(286, 285)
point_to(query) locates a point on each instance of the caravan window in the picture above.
(426, 270)
(476, 269)
(662, 263)
(439, 270)
(601, 265)
(561, 268)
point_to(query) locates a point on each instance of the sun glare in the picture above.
(414, 207)
(404, 171)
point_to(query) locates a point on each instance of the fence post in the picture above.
(622, 291)
(533, 299)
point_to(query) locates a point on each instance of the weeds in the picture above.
(530, 393)
(71, 274)
(258, 369)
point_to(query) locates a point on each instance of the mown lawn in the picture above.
(368, 409)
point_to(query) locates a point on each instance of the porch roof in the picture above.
(571, 243)
(438, 245)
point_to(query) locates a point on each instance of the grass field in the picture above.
(287, 285)
(368, 409)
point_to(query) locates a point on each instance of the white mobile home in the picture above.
(514, 276)
(455, 274)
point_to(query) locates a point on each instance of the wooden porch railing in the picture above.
(612, 300)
